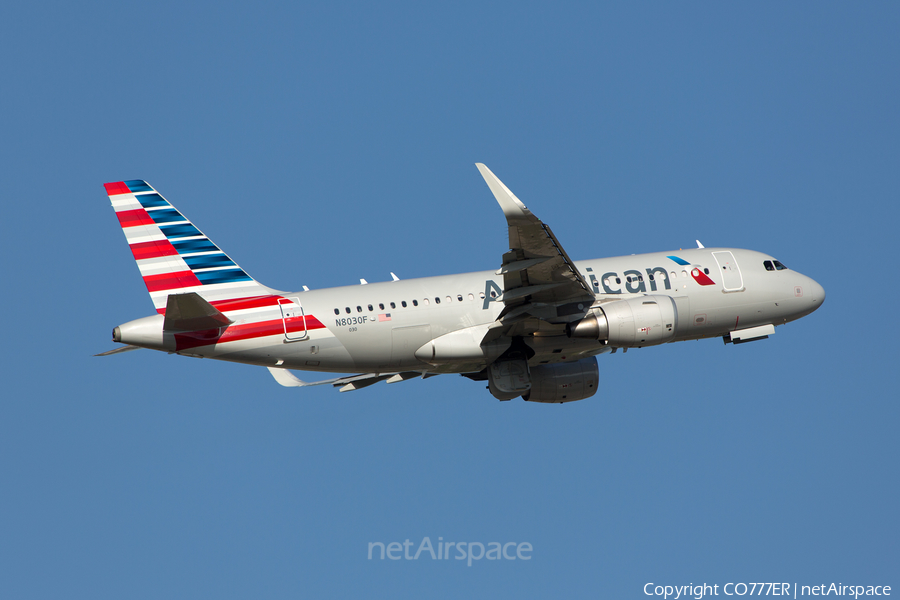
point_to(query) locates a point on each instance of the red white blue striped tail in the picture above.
(174, 256)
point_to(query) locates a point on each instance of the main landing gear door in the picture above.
(293, 319)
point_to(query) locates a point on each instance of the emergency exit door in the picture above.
(293, 319)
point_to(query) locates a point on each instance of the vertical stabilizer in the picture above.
(175, 257)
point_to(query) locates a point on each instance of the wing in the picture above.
(540, 281)
(347, 384)
(119, 350)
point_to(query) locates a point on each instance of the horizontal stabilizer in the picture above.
(119, 350)
(190, 312)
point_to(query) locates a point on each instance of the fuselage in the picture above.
(384, 327)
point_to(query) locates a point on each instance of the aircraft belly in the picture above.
(316, 353)
(719, 316)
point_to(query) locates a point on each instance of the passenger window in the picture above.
(481, 295)
(471, 296)
(779, 266)
(348, 310)
(370, 308)
(768, 265)
(415, 303)
(337, 311)
(450, 299)
(706, 271)
(425, 302)
(395, 306)
(674, 276)
(403, 303)
(459, 297)
(381, 306)
(618, 280)
(437, 300)
(359, 309)
(651, 277)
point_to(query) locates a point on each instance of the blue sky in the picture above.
(320, 144)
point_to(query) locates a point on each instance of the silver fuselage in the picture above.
(380, 327)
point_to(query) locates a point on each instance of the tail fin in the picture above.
(174, 256)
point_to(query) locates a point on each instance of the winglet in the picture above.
(699, 245)
(512, 206)
(287, 379)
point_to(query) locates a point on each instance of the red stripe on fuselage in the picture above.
(244, 331)
(132, 218)
(171, 281)
(245, 303)
(154, 249)
(233, 304)
(114, 189)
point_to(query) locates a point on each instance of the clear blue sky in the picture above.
(320, 144)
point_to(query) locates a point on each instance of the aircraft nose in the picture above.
(816, 293)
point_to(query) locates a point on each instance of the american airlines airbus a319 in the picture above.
(532, 328)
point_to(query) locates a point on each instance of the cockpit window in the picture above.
(768, 265)
(779, 266)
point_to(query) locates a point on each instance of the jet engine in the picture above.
(561, 382)
(564, 382)
(632, 323)
(508, 379)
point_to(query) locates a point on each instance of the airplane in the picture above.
(532, 328)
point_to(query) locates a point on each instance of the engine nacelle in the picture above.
(632, 323)
(508, 379)
(564, 382)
